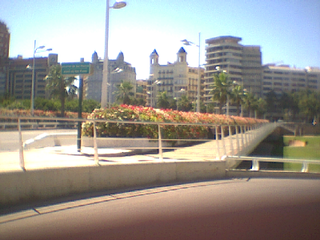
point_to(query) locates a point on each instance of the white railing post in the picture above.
(242, 137)
(246, 136)
(238, 143)
(305, 166)
(231, 140)
(160, 143)
(95, 145)
(21, 157)
(255, 165)
(223, 142)
(217, 142)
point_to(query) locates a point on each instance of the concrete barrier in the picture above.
(43, 184)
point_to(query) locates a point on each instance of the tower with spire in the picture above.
(119, 70)
(175, 78)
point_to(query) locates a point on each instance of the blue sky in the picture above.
(288, 31)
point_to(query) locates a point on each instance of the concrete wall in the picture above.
(23, 187)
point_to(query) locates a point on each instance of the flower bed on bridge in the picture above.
(38, 113)
(148, 114)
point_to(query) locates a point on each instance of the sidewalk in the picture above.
(67, 156)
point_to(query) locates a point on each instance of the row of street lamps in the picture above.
(35, 49)
(104, 88)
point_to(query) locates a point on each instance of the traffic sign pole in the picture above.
(80, 112)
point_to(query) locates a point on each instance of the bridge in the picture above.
(45, 173)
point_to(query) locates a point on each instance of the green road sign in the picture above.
(77, 68)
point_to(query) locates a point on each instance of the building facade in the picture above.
(283, 78)
(176, 78)
(141, 89)
(4, 55)
(19, 76)
(241, 63)
(119, 71)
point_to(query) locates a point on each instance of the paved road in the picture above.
(9, 140)
(227, 209)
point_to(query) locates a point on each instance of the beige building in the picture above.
(4, 55)
(19, 76)
(141, 89)
(119, 70)
(241, 63)
(176, 78)
(283, 78)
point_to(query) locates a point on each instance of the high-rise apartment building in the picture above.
(141, 89)
(241, 63)
(176, 78)
(4, 55)
(4, 40)
(283, 78)
(119, 71)
(19, 76)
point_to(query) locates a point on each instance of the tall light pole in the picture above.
(35, 49)
(227, 104)
(104, 87)
(155, 83)
(186, 42)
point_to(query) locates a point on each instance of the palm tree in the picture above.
(261, 107)
(184, 103)
(309, 104)
(237, 97)
(250, 102)
(58, 85)
(220, 89)
(124, 92)
(272, 102)
(163, 100)
(172, 103)
(138, 101)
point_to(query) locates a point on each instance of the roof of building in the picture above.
(181, 50)
(154, 52)
(222, 39)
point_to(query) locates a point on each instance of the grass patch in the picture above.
(310, 151)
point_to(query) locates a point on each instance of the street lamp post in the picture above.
(186, 42)
(104, 87)
(35, 49)
(156, 82)
(227, 104)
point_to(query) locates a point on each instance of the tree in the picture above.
(124, 92)
(237, 97)
(172, 103)
(309, 105)
(138, 101)
(221, 90)
(261, 107)
(163, 100)
(250, 102)
(58, 85)
(272, 102)
(184, 104)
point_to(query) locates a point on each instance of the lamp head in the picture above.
(118, 5)
(185, 42)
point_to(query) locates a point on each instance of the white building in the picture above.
(283, 78)
(119, 71)
(176, 78)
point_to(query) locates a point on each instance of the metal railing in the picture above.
(234, 140)
(256, 162)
